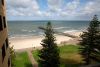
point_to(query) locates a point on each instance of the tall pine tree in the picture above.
(90, 43)
(49, 54)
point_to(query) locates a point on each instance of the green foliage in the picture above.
(12, 55)
(90, 43)
(22, 60)
(19, 59)
(35, 54)
(69, 49)
(49, 54)
(69, 56)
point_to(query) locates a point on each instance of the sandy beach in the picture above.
(29, 42)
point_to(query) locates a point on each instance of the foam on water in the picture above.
(62, 28)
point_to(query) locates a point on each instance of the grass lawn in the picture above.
(69, 56)
(22, 60)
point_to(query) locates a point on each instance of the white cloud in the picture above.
(72, 5)
(47, 14)
(23, 7)
(73, 9)
(89, 9)
(70, 8)
(54, 5)
(55, 8)
(92, 7)
(18, 3)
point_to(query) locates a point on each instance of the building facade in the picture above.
(4, 45)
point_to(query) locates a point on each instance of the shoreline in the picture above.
(34, 41)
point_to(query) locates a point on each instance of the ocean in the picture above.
(30, 28)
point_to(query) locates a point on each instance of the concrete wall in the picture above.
(4, 51)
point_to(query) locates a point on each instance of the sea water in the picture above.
(30, 28)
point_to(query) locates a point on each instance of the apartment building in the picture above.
(4, 45)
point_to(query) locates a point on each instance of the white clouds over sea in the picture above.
(55, 9)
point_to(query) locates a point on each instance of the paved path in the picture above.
(34, 63)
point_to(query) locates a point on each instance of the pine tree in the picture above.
(49, 54)
(13, 56)
(90, 43)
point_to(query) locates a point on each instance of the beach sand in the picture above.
(29, 42)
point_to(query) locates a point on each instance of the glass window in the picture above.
(1, 27)
(2, 2)
(4, 21)
(9, 62)
(3, 52)
(6, 43)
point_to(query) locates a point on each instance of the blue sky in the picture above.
(52, 9)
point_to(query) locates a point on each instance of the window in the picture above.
(4, 21)
(2, 2)
(9, 62)
(1, 27)
(3, 52)
(6, 43)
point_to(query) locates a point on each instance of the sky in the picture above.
(52, 9)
